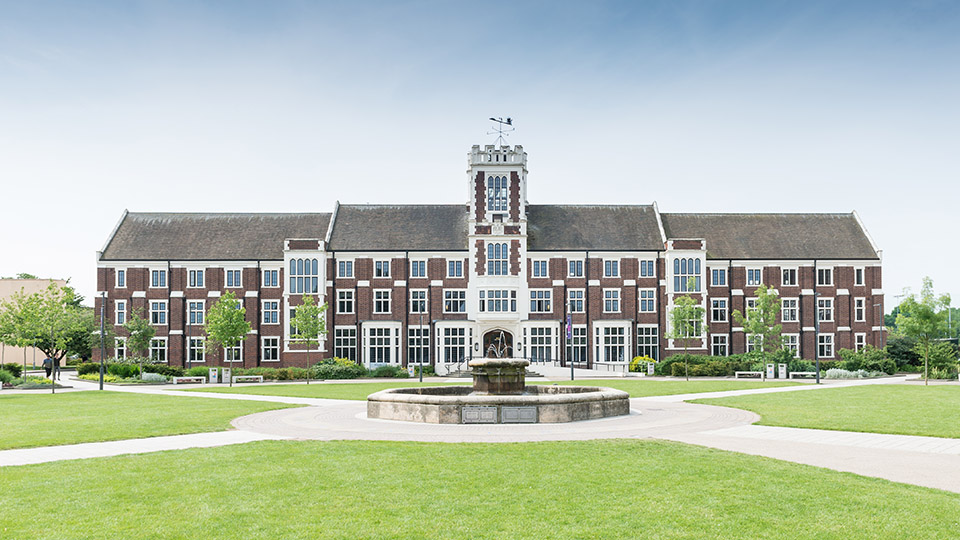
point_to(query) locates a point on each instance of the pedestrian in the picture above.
(47, 366)
(56, 369)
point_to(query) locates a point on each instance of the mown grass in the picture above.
(355, 489)
(636, 387)
(78, 417)
(900, 409)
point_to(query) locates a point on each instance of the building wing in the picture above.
(426, 227)
(593, 227)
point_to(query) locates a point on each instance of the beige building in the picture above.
(9, 287)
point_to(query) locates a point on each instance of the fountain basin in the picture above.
(501, 376)
(464, 405)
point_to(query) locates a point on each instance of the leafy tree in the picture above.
(924, 318)
(760, 323)
(50, 320)
(686, 323)
(16, 316)
(890, 319)
(309, 324)
(903, 350)
(141, 334)
(226, 325)
(24, 275)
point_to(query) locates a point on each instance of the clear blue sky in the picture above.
(289, 106)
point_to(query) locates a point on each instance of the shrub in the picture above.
(869, 358)
(298, 373)
(6, 377)
(163, 369)
(87, 368)
(96, 377)
(395, 372)
(339, 368)
(801, 365)
(940, 372)
(847, 374)
(31, 382)
(268, 373)
(74, 361)
(13, 369)
(124, 371)
(154, 377)
(902, 351)
(198, 371)
(428, 371)
(639, 364)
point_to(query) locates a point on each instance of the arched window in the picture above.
(683, 271)
(304, 276)
(497, 193)
(497, 259)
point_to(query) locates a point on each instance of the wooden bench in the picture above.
(748, 374)
(248, 378)
(183, 380)
(803, 373)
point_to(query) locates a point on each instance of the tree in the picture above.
(760, 323)
(226, 325)
(924, 318)
(141, 334)
(686, 323)
(50, 320)
(16, 319)
(308, 324)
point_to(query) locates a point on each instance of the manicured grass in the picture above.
(76, 417)
(636, 387)
(354, 489)
(902, 409)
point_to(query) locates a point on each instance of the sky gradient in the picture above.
(290, 106)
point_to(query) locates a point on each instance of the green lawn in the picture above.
(354, 489)
(636, 387)
(906, 410)
(77, 417)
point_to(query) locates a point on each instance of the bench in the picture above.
(803, 373)
(248, 378)
(748, 374)
(183, 380)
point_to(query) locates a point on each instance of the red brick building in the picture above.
(443, 283)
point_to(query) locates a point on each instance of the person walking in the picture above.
(56, 369)
(47, 366)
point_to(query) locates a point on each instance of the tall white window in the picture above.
(195, 350)
(541, 344)
(859, 341)
(648, 342)
(858, 277)
(791, 342)
(418, 345)
(497, 255)
(575, 269)
(195, 279)
(120, 348)
(540, 301)
(648, 301)
(270, 349)
(859, 309)
(380, 345)
(454, 301)
(648, 269)
(234, 277)
(158, 350)
(611, 268)
(824, 276)
(497, 193)
(345, 301)
(577, 345)
(418, 269)
(233, 354)
(418, 301)
(540, 269)
(788, 277)
(345, 342)
(271, 312)
(345, 269)
(611, 300)
(718, 277)
(158, 313)
(718, 310)
(719, 345)
(611, 343)
(789, 311)
(381, 269)
(754, 276)
(121, 278)
(158, 278)
(454, 268)
(825, 310)
(683, 271)
(271, 278)
(825, 346)
(304, 276)
(575, 300)
(454, 345)
(121, 315)
(498, 300)
(195, 312)
(381, 301)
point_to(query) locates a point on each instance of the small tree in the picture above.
(308, 324)
(686, 323)
(50, 320)
(924, 318)
(18, 316)
(760, 322)
(141, 334)
(226, 325)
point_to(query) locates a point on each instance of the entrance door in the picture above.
(498, 344)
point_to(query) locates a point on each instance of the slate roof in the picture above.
(774, 236)
(595, 227)
(208, 236)
(416, 227)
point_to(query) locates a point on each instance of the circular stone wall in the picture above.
(461, 405)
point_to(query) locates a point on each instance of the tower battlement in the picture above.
(493, 155)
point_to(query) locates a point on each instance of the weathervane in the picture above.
(501, 129)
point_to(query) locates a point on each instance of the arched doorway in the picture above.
(498, 344)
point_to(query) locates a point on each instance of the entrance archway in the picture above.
(498, 344)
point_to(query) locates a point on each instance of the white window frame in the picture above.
(580, 300)
(498, 266)
(268, 282)
(601, 343)
(120, 344)
(422, 264)
(160, 313)
(793, 344)
(757, 273)
(202, 313)
(493, 298)
(791, 272)
(371, 341)
(193, 282)
(233, 355)
(650, 302)
(418, 338)
(828, 307)
(274, 345)
(794, 310)
(826, 271)
(611, 264)
(344, 341)
(342, 267)
(859, 310)
(577, 345)
(575, 268)
(162, 276)
(195, 344)
(342, 299)
(648, 263)
(716, 273)
(120, 278)
(821, 342)
(540, 343)
(457, 266)
(385, 295)
(162, 349)
(381, 268)
(414, 302)
(264, 310)
(540, 264)
(453, 340)
(120, 312)
(859, 341)
(715, 308)
(453, 297)
(715, 343)
(542, 300)
(862, 271)
(644, 334)
(237, 274)
(615, 298)
(693, 267)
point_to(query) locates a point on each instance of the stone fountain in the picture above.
(499, 396)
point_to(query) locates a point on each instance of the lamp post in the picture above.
(420, 345)
(816, 325)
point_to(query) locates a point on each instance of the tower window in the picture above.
(497, 193)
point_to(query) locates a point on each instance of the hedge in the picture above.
(13, 369)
